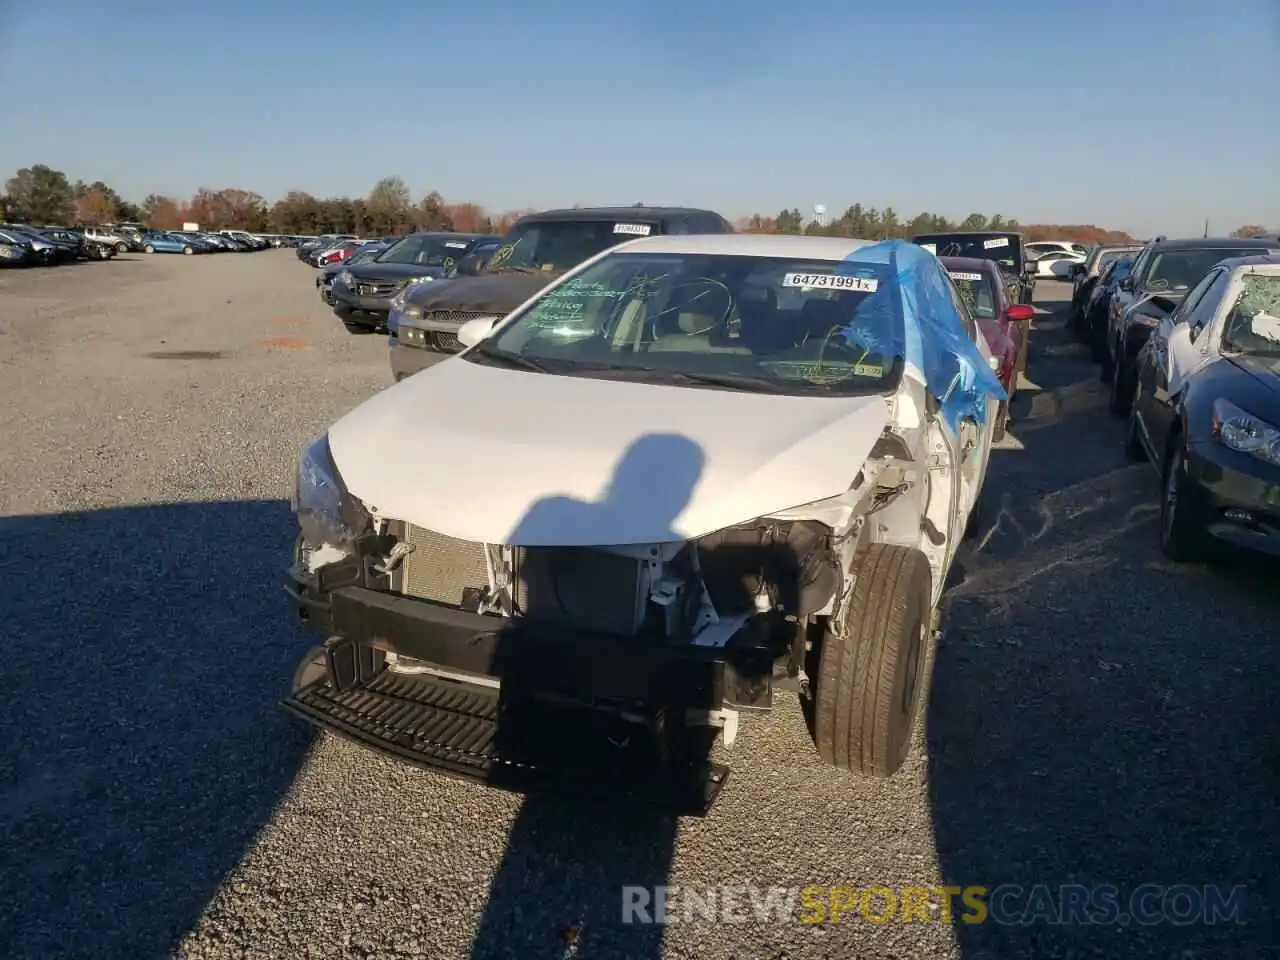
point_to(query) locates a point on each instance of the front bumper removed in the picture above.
(517, 706)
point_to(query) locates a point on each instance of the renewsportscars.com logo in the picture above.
(1008, 904)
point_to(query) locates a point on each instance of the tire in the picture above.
(188, 251)
(148, 249)
(1182, 539)
(870, 679)
(1121, 399)
(357, 329)
(1002, 422)
(122, 248)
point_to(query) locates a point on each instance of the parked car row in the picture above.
(1187, 336)
(191, 242)
(22, 245)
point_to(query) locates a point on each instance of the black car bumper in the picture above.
(516, 706)
(1239, 496)
(371, 312)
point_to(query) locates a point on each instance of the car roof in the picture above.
(972, 233)
(747, 245)
(1269, 260)
(1202, 243)
(618, 213)
(444, 234)
(974, 264)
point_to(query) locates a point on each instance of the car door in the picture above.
(1153, 405)
(1190, 348)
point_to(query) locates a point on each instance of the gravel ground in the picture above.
(1098, 716)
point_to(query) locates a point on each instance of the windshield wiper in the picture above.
(736, 381)
(512, 361)
(514, 270)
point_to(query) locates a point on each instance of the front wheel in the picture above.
(871, 672)
(1182, 536)
(122, 248)
(148, 249)
(188, 251)
(1002, 422)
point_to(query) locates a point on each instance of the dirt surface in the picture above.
(1098, 716)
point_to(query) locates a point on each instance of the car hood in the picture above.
(498, 292)
(1265, 374)
(392, 271)
(502, 456)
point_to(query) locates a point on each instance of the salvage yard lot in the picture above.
(1098, 716)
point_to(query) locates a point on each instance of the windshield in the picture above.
(1183, 269)
(769, 325)
(424, 251)
(555, 246)
(1002, 249)
(975, 290)
(1253, 326)
(1107, 257)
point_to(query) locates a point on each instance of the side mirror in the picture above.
(1019, 312)
(473, 331)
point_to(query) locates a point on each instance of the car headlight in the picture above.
(347, 279)
(1242, 431)
(327, 513)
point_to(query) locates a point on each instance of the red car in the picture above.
(339, 254)
(1007, 326)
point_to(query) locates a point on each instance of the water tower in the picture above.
(820, 214)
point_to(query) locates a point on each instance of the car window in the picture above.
(787, 325)
(975, 292)
(1253, 325)
(1181, 269)
(551, 245)
(1202, 312)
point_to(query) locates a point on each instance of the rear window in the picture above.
(975, 290)
(1005, 250)
(1183, 269)
(558, 245)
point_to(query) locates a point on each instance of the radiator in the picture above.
(440, 567)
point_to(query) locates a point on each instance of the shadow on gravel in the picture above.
(1099, 716)
(539, 905)
(144, 652)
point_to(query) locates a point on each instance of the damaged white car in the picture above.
(692, 473)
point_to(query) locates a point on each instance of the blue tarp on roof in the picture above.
(935, 339)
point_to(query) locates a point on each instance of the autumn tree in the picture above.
(40, 194)
(96, 206)
(1249, 230)
(387, 208)
(467, 217)
(161, 213)
(432, 213)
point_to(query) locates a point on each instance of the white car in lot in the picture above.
(1038, 248)
(694, 471)
(1057, 264)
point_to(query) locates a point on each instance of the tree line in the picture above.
(42, 195)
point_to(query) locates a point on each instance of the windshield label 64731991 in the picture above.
(635, 229)
(994, 244)
(830, 281)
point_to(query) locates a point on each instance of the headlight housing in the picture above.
(1245, 433)
(347, 279)
(327, 513)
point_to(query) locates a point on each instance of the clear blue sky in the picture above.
(1147, 115)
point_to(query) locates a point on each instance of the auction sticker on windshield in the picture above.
(975, 277)
(635, 229)
(456, 245)
(997, 242)
(831, 281)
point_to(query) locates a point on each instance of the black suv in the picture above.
(1007, 249)
(539, 249)
(362, 293)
